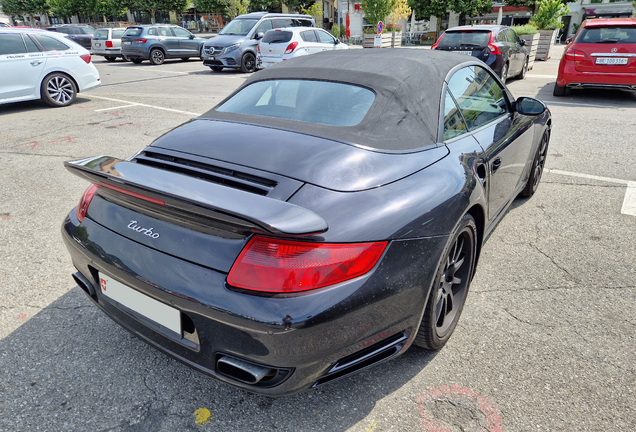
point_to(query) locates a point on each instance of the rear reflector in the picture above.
(87, 197)
(494, 49)
(133, 194)
(291, 47)
(141, 41)
(284, 266)
(86, 58)
(109, 44)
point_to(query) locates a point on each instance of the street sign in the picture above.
(380, 27)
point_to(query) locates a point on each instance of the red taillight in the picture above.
(86, 58)
(87, 197)
(109, 44)
(494, 49)
(284, 266)
(258, 48)
(140, 40)
(133, 194)
(435, 45)
(291, 47)
(575, 55)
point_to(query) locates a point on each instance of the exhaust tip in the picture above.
(250, 373)
(84, 284)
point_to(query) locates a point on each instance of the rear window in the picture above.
(321, 102)
(101, 35)
(610, 34)
(133, 31)
(277, 36)
(471, 38)
(117, 34)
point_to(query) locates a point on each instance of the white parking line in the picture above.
(163, 70)
(531, 75)
(579, 104)
(117, 107)
(629, 202)
(143, 105)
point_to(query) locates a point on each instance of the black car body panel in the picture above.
(81, 34)
(173, 221)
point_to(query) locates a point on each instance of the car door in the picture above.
(22, 65)
(327, 42)
(311, 44)
(169, 41)
(188, 46)
(520, 51)
(506, 137)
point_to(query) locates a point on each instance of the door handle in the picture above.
(36, 62)
(496, 164)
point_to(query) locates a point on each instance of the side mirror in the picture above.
(337, 42)
(259, 36)
(192, 36)
(530, 106)
(522, 42)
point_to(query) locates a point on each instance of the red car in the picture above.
(602, 55)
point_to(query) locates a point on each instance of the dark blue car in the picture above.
(498, 46)
(321, 219)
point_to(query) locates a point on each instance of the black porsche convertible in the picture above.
(318, 221)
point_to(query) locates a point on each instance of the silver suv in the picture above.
(235, 46)
(158, 42)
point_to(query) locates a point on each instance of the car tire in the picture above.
(58, 90)
(136, 61)
(538, 165)
(447, 297)
(157, 56)
(216, 68)
(185, 58)
(248, 63)
(559, 90)
(124, 58)
(111, 59)
(504, 73)
(524, 70)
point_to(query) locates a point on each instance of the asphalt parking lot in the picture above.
(546, 342)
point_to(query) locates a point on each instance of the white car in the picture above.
(285, 43)
(107, 42)
(36, 64)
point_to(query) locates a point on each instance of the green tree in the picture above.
(152, 6)
(424, 9)
(13, 7)
(214, 6)
(315, 10)
(549, 15)
(111, 8)
(267, 5)
(377, 10)
(533, 5)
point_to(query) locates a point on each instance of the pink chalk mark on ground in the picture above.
(22, 316)
(494, 423)
(5, 216)
(33, 144)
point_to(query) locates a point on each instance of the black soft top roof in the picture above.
(408, 86)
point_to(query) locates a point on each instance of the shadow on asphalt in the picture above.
(71, 368)
(34, 105)
(588, 98)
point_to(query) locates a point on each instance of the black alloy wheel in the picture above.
(504, 73)
(538, 165)
(450, 288)
(58, 90)
(248, 63)
(156, 56)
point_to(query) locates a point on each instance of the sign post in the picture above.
(377, 41)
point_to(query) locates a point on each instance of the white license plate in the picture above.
(210, 58)
(150, 308)
(611, 60)
(126, 43)
(464, 52)
(98, 44)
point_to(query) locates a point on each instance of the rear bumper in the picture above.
(88, 79)
(136, 53)
(569, 77)
(107, 52)
(314, 338)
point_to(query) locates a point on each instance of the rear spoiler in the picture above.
(190, 194)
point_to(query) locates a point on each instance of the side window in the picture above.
(31, 47)
(50, 44)
(454, 124)
(263, 27)
(514, 38)
(117, 34)
(301, 23)
(179, 32)
(74, 31)
(325, 37)
(282, 22)
(165, 31)
(501, 36)
(12, 44)
(309, 36)
(480, 98)
(151, 32)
